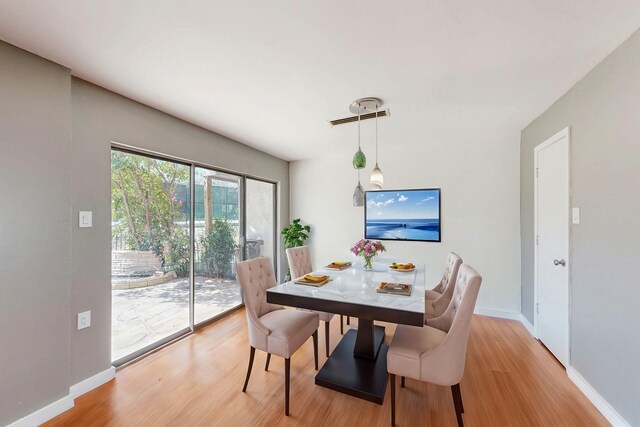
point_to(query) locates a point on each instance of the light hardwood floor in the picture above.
(510, 380)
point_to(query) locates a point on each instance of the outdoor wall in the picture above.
(55, 160)
(480, 218)
(35, 240)
(602, 112)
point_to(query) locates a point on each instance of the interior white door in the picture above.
(552, 244)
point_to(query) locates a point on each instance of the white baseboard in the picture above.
(90, 383)
(59, 406)
(598, 401)
(528, 326)
(507, 315)
(43, 415)
(497, 313)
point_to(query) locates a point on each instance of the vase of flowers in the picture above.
(367, 249)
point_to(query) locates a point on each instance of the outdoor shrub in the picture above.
(219, 247)
(175, 253)
(153, 241)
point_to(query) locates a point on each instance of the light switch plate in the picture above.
(85, 219)
(84, 319)
(575, 215)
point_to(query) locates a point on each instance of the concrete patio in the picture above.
(143, 316)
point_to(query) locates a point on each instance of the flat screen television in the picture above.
(411, 215)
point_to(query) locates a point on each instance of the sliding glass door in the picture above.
(150, 248)
(261, 219)
(217, 232)
(173, 265)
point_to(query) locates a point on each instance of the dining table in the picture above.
(358, 364)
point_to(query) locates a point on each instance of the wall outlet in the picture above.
(84, 320)
(575, 215)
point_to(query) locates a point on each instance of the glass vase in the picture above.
(367, 263)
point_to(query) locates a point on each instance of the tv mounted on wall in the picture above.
(410, 215)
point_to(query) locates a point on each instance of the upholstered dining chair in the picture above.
(272, 328)
(437, 355)
(437, 299)
(300, 264)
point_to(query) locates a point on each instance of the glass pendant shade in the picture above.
(359, 160)
(358, 195)
(377, 180)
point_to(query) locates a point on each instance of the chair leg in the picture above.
(326, 337)
(402, 382)
(266, 365)
(392, 380)
(341, 325)
(457, 396)
(287, 371)
(251, 356)
(457, 402)
(315, 347)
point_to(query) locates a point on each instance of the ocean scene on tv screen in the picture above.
(403, 215)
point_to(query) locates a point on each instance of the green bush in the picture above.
(218, 249)
(175, 252)
(153, 241)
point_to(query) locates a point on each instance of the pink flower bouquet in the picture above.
(367, 249)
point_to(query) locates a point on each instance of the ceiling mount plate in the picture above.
(365, 105)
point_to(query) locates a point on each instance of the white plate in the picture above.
(403, 270)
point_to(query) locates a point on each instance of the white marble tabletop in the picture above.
(356, 286)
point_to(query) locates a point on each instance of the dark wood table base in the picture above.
(360, 376)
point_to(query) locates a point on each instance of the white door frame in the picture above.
(555, 138)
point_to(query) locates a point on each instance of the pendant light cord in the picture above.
(358, 125)
(376, 135)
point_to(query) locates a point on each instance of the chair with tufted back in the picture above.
(437, 300)
(436, 354)
(271, 328)
(300, 264)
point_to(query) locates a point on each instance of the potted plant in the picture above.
(294, 235)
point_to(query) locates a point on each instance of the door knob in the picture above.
(560, 262)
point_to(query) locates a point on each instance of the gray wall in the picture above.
(35, 239)
(47, 176)
(603, 112)
(100, 117)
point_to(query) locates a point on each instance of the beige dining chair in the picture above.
(272, 328)
(437, 299)
(300, 264)
(437, 355)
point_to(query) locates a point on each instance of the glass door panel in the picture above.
(149, 252)
(217, 232)
(261, 219)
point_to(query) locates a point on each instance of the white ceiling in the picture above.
(271, 73)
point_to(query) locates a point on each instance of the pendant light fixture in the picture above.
(359, 162)
(358, 193)
(359, 159)
(360, 106)
(377, 179)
